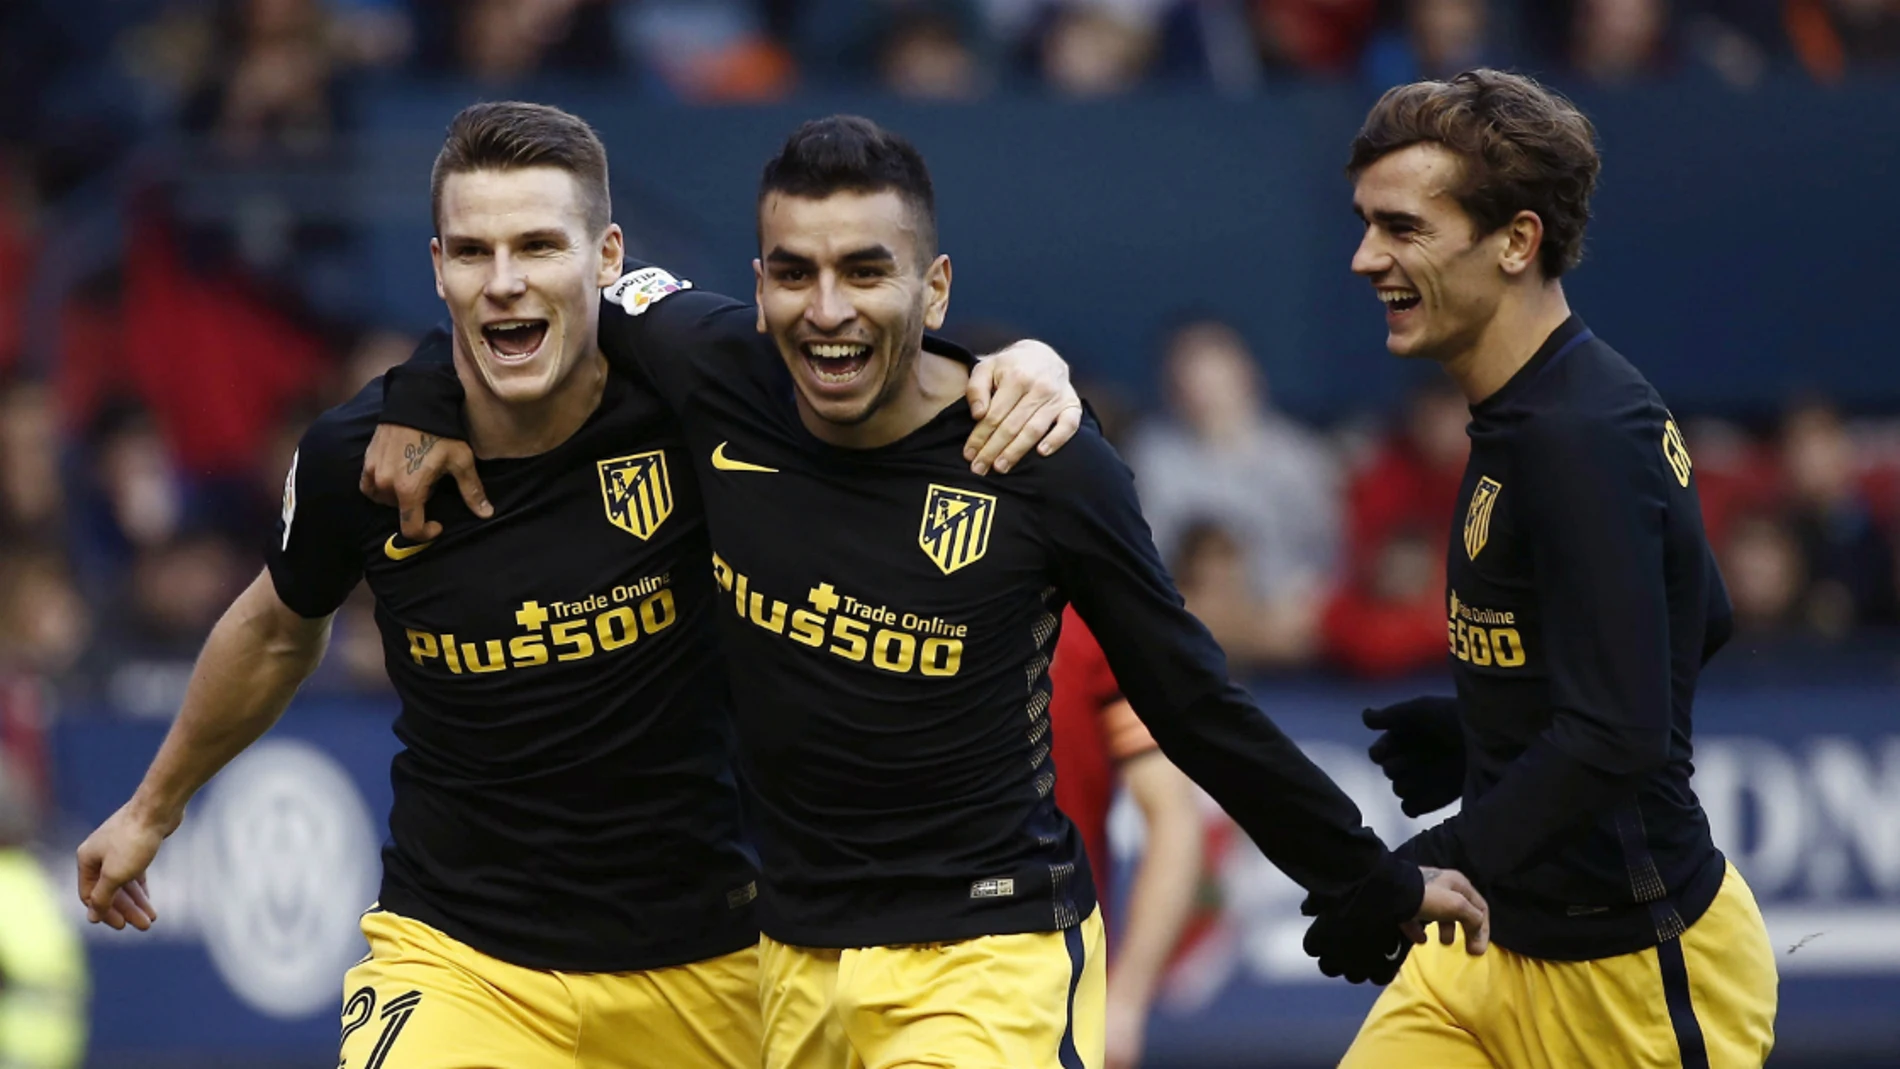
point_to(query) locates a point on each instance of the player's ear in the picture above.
(613, 249)
(1523, 237)
(758, 295)
(435, 258)
(937, 292)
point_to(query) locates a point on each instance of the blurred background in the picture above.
(214, 224)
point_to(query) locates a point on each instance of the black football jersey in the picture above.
(564, 798)
(890, 618)
(1582, 602)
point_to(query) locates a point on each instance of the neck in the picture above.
(1513, 335)
(499, 429)
(931, 383)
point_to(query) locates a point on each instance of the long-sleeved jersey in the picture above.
(1583, 601)
(889, 619)
(564, 798)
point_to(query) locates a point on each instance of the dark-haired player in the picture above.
(565, 883)
(891, 619)
(1582, 603)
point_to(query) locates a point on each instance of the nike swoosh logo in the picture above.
(396, 552)
(1396, 951)
(726, 463)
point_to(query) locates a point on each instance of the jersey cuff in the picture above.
(428, 397)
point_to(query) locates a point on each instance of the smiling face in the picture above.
(846, 289)
(521, 270)
(1440, 280)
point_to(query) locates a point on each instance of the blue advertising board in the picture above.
(260, 890)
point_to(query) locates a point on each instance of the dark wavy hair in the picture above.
(1524, 147)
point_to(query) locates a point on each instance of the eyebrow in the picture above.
(867, 254)
(553, 234)
(1388, 219)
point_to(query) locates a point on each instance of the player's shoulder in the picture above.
(341, 435)
(656, 297)
(1084, 468)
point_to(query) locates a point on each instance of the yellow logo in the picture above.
(636, 492)
(956, 527)
(726, 463)
(1478, 517)
(1676, 452)
(396, 552)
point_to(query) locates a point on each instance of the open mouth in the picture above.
(836, 363)
(1397, 300)
(515, 340)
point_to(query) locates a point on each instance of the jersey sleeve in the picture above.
(424, 391)
(1123, 734)
(660, 329)
(1593, 506)
(653, 327)
(314, 560)
(1175, 676)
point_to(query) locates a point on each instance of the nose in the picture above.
(830, 307)
(1370, 259)
(507, 280)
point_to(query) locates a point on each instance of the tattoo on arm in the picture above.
(414, 454)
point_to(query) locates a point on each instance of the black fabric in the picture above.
(1066, 1053)
(564, 797)
(891, 658)
(1682, 1018)
(1421, 749)
(1583, 600)
(1349, 947)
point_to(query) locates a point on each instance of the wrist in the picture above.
(154, 810)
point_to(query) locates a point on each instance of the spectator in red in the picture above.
(1097, 740)
(1387, 616)
(1313, 36)
(1832, 37)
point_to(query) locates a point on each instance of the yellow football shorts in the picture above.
(422, 1000)
(1705, 1000)
(1031, 1001)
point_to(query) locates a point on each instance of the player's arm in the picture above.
(1161, 898)
(1175, 676)
(677, 336)
(672, 339)
(262, 649)
(259, 653)
(1594, 507)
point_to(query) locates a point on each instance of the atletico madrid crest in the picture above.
(1478, 517)
(956, 527)
(636, 492)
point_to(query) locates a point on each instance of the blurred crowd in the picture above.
(1324, 550)
(255, 69)
(148, 413)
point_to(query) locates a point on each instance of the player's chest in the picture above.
(1491, 612)
(608, 531)
(901, 564)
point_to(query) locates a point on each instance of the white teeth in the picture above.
(510, 324)
(1395, 296)
(838, 352)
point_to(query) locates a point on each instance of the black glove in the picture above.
(1422, 751)
(1356, 934)
(1353, 948)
